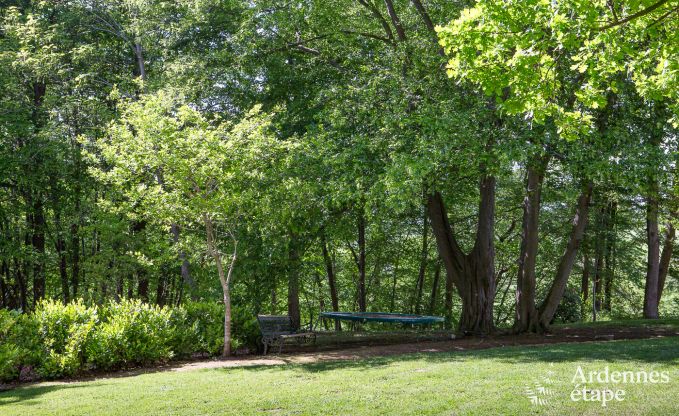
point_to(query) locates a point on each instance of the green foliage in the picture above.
(132, 333)
(60, 340)
(534, 55)
(18, 343)
(570, 308)
(64, 332)
(206, 321)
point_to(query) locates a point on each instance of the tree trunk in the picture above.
(161, 290)
(423, 262)
(37, 214)
(609, 259)
(435, 287)
(361, 263)
(60, 246)
(4, 296)
(21, 281)
(599, 257)
(140, 69)
(185, 271)
(330, 270)
(473, 274)
(293, 281)
(665, 259)
(653, 242)
(584, 286)
(142, 285)
(563, 271)
(224, 279)
(75, 225)
(75, 259)
(526, 311)
(38, 244)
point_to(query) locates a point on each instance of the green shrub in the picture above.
(59, 340)
(570, 308)
(244, 329)
(64, 331)
(131, 333)
(206, 320)
(18, 343)
(184, 335)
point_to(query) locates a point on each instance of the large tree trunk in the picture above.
(330, 270)
(563, 271)
(224, 279)
(472, 274)
(526, 311)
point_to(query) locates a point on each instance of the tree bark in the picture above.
(38, 245)
(330, 270)
(665, 259)
(584, 286)
(609, 259)
(293, 281)
(361, 263)
(60, 246)
(548, 307)
(185, 271)
(419, 287)
(139, 57)
(224, 279)
(472, 274)
(526, 311)
(435, 287)
(653, 260)
(142, 285)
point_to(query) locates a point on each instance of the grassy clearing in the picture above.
(475, 383)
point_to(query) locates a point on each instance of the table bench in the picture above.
(276, 329)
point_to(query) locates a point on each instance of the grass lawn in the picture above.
(483, 382)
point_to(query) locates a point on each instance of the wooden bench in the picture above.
(276, 329)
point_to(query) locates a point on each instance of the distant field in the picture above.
(493, 381)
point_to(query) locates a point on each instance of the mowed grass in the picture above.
(465, 383)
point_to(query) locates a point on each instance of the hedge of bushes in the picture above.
(58, 340)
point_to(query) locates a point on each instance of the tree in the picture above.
(206, 168)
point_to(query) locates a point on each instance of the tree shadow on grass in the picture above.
(27, 395)
(654, 350)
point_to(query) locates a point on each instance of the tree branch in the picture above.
(427, 22)
(636, 15)
(395, 20)
(376, 13)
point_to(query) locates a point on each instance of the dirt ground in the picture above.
(564, 334)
